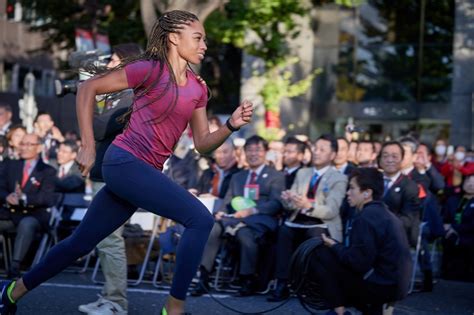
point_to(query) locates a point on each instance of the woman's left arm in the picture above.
(204, 140)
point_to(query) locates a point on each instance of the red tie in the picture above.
(253, 178)
(215, 183)
(26, 168)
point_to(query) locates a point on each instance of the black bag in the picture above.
(106, 128)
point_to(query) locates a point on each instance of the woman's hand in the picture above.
(86, 158)
(242, 115)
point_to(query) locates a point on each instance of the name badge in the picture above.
(252, 191)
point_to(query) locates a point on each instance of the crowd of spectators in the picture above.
(268, 198)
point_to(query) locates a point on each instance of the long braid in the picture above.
(157, 51)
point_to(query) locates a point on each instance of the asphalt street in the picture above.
(62, 295)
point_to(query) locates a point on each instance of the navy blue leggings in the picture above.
(132, 183)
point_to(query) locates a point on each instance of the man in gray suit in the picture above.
(313, 202)
(250, 226)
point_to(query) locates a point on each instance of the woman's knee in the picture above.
(202, 220)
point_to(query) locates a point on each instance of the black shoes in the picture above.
(248, 287)
(203, 286)
(281, 292)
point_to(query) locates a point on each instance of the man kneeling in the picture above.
(372, 266)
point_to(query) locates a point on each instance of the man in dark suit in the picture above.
(424, 166)
(366, 154)
(293, 155)
(50, 135)
(429, 204)
(250, 226)
(400, 192)
(27, 190)
(69, 178)
(216, 179)
(341, 162)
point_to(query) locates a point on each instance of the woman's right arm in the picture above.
(85, 103)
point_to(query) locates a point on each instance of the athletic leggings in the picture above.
(132, 183)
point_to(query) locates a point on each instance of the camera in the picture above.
(87, 63)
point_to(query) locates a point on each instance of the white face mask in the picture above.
(459, 155)
(440, 149)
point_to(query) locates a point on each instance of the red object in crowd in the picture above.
(467, 169)
(272, 120)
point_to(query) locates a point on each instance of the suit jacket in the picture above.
(329, 195)
(290, 178)
(432, 180)
(402, 199)
(204, 184)
(349, 168)
(72, 182)
(271, 184)
(39, 191)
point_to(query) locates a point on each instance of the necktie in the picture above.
(215, 183)
(61, 172)
(253, 178)
(313, 186)
(386, 183)
(26, 173)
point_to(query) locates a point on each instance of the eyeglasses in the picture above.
(29, 145)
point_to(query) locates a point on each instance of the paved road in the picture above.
(62, 294)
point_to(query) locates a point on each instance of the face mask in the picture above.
(459, 156)
(440, 150)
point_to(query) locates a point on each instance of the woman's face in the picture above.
(16, 137)
(190, 42)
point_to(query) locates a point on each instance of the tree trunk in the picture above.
(201, 8)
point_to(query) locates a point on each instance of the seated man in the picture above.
(262, 184)
(69, 176)
(27, 190)
(314, 200)
(215, 180)
(373, 265)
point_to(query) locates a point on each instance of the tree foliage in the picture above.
(120, 19)
(259, 27)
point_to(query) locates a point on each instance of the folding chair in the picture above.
(148, 221)
(162, 225)
(6, 252)
(77, 201)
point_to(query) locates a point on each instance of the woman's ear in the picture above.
(173, 38)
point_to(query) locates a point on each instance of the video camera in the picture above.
(88, 63)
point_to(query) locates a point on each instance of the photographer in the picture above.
(370, 266)
(111, 250)
(50, 136)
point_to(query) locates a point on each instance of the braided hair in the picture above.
(157, 52)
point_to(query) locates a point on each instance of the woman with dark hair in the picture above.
(372, 265)
(168, 96)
